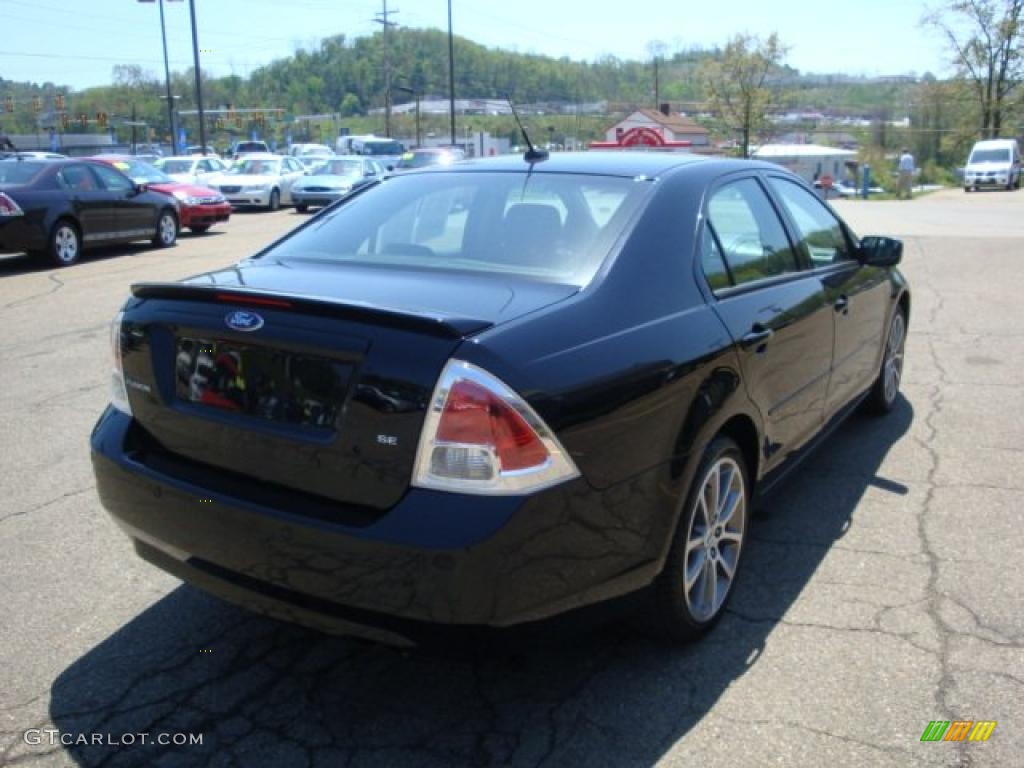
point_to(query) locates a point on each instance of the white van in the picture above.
(993, 163)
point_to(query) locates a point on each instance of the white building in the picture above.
(808, 161)
(649, 127)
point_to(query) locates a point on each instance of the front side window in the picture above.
(750, 234)
(549, 227)
(821, 234)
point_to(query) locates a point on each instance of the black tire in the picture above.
(166, 229)
(275, 200)
(65, 244)
(967, 190)
(675, 614)
(201, 229)
(301, 207)
(882, 398)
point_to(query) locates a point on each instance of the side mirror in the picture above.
(881, 251)
(140, 188)
(391, 168)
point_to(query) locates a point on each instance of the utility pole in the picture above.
(451, 74)
(199, 87)
(657, 100)
(382, 19)
(167, 79)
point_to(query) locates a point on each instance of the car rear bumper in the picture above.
(433, 558)
(18, 234)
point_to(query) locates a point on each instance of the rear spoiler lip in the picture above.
(434, 324)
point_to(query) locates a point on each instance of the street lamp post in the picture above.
(416, 96)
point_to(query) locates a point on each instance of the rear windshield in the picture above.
(549, 227)
(251, 146)
(19, 171)
(990, 156)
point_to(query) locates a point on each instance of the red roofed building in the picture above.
(651, 128)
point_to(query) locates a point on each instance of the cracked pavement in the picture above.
(881, 588)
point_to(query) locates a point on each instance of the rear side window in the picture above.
(78, 178)
(544, 226)
(750, 234)
(711, 260)
(821, 235)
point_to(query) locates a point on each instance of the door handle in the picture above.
(842, 304)
(758, 335)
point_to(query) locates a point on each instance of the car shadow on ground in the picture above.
(263, 693)
(23, 263)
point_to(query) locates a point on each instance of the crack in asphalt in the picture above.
(49, 503)
(52, 277)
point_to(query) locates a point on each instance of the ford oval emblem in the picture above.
(243, 320)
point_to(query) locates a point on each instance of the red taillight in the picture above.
(8, 207)
(474, 416)
(479, 436)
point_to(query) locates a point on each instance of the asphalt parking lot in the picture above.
(882, 588)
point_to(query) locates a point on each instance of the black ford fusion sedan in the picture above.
(487, 394)
(56, 208)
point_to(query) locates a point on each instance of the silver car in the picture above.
(264, 181)
(334, 179)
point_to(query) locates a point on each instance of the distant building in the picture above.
(808, 161)
(653, 128)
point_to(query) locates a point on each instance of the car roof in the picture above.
(626, 163)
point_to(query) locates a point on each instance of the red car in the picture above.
(200, 207)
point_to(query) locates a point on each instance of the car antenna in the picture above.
(532, 155)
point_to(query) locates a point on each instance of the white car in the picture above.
(192, 169)
(261, 180)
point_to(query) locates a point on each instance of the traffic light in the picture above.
(65, 120)
(101, 119)
(83, 119)
(37, 104)
(219, 123)
(238, 121)
(58, 102)
(8, 103)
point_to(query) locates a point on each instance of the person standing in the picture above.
(906, 175)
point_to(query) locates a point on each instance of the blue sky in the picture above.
(77, 42)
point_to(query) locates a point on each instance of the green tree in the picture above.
(985, 38)
(737, 83)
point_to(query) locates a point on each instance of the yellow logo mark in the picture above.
(982, 730)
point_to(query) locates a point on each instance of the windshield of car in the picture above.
(339, 168)
(315, 149)
(381, 148)
(547, 227)
(990, 156)
(251, 146)
(143, 173)
(19, 171)
(257, 167)
(174, 166)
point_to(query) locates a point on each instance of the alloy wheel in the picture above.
(893, 371)
(168, 231)
(65, 244)
(714, 539)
